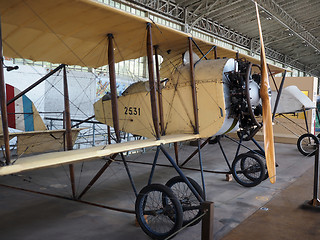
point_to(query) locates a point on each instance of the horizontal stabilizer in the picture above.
(292, 100)
(67, 157)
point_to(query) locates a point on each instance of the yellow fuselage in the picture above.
(135, 107)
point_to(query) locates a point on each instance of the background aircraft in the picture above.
(27, 125)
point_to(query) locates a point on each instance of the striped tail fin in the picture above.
(22, 114)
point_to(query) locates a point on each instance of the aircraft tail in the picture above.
(22, 114)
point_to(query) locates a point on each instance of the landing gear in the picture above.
(262, 156)
(248, 170)
(190, 204)
(158, 220)
(306, 144)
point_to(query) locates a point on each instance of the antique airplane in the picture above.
(200, 98)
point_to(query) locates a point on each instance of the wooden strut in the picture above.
(113, 88)
(215, 53)
(194, 90)
(159, 91)
(152, 85)
(68, 133)
(115, 113)
(115, 117)
(195, 108)
(4, 113)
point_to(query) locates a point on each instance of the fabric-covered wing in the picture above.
(75, 32)
(67, 157)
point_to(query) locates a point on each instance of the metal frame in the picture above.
(191, 19)
(217, 138)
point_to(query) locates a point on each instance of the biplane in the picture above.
(186, 98)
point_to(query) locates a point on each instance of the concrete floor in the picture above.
(284, 217)
(30, 216)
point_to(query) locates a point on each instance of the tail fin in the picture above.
(22, 114)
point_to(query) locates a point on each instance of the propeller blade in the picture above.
(266, 109)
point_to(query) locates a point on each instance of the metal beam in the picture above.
(277, 12)
(174, 12)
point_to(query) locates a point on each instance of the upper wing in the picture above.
(57, 158)
(75, 32)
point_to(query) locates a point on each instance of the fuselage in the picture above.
(213, 99)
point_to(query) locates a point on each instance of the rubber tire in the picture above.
(254, 181)
(299, 143)
(140, 216)
(199, 190)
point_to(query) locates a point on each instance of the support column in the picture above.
(68, 127)
(194, 90)
(152, 85)
(159, 91)
(4, 114)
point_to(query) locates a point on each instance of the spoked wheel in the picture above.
(248, 170)
(261, 155)
(306, 144)
(155, 219)
(190, 204)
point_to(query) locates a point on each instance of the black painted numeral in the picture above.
(132, 111)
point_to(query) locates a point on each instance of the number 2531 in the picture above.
(131, 111)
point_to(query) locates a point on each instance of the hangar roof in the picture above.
(291, 28)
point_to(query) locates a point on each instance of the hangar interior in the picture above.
(45, 203)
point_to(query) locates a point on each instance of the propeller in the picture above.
(266, 109)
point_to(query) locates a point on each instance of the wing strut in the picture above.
(115, 119)
(68, 134)
(194, 90)
(159, 90)
(4, 114)
(152, 85)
